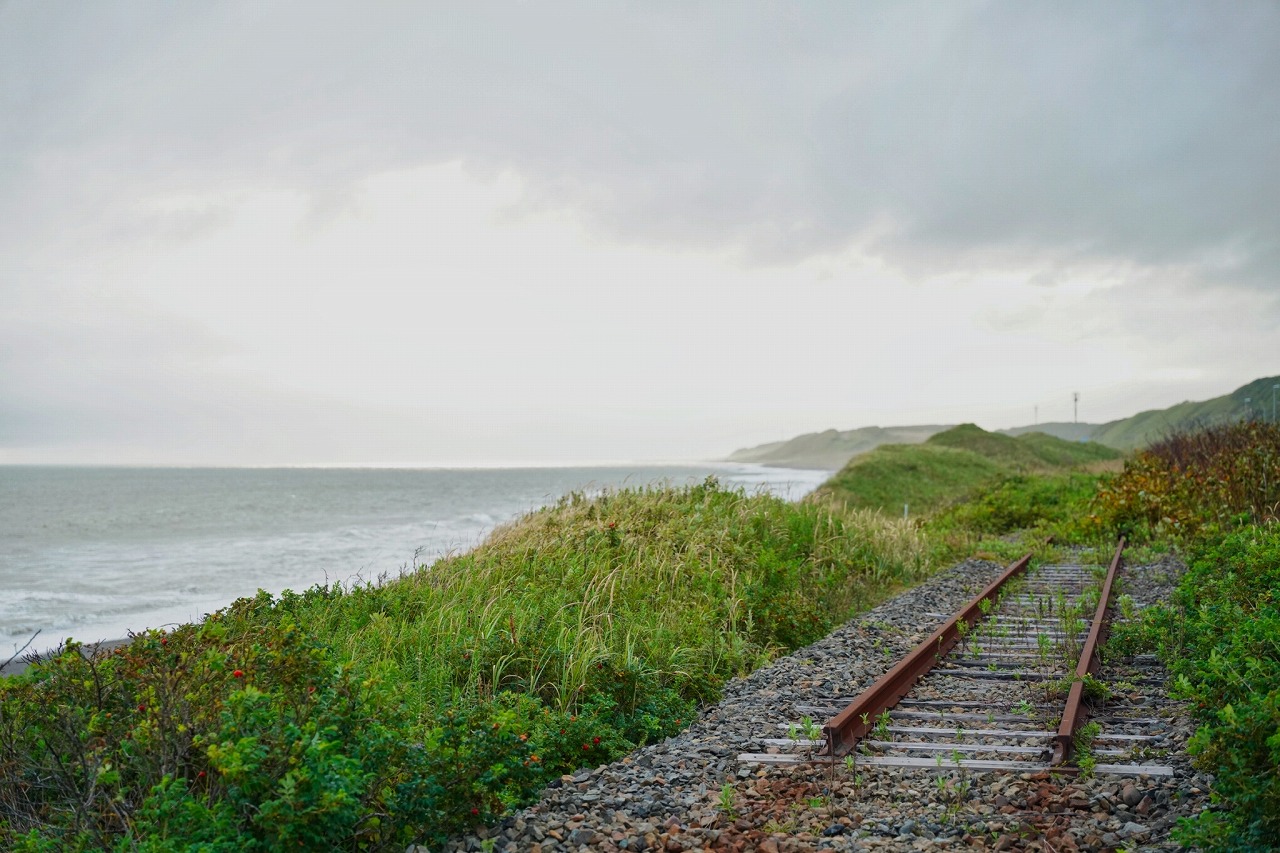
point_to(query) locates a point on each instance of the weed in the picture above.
(727, 801)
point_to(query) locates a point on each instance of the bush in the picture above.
(1196, 484)
(1221, 640)
(226, 736)
(414, 709)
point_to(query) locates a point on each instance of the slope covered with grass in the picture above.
(369, 717)
(918, 476)
(949, 466)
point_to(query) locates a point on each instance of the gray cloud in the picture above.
(969, 135)
(1079, 131)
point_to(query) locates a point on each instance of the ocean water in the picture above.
(94, 553)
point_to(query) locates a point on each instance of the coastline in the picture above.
(275, 546)
(19, 664)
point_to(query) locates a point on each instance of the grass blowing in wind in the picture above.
(364, 717)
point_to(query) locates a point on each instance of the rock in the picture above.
(1130, 796)
(584, 837)
(1132, 830)
(835, 829)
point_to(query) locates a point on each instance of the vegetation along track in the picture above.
(1010, 685)
(980, 690)
(691, 791)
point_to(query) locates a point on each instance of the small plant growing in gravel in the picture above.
(810, 729)
(726, 801)
(1025, 708)
(881, 730)
(1083, 746)
(851, 765)
(1095, 689)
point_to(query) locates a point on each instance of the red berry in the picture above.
(239, 673)
(142, 707)
(475, 811)
(595, 740)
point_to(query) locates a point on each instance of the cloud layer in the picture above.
(1079, 158)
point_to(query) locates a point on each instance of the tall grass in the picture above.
(372, 715)
(685, 586)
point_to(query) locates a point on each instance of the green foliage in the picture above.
(924, 476)
(960, 465)
(1196, 484)
(226, 735)
(1216, 491)
(1150, 427)
(408, 711)
(1053, 503)
(1032, 451)
(1221, 639)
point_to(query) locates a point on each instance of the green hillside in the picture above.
(1248, 401)
(831, 449)
(1058, 453)
(950, 465)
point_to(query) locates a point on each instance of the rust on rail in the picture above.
(1076, 712)
(845, 729)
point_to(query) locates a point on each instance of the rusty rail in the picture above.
(1076, 712)
(844, 730)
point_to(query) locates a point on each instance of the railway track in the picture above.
(1012, 682)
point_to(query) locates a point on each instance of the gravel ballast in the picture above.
(690, 792)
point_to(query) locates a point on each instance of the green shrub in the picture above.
(1196, 484)
(411, 710)
(1025, 501)
(227, 735)
(1221, 640)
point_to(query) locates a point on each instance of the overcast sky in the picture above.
(473, 233)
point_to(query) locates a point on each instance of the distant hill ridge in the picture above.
(950, 464)
(833, 448)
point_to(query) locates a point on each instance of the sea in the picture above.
(98, 553)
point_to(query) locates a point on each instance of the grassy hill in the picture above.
(1066, 430)
(950, 465)
(831, 449)
(1247, 401)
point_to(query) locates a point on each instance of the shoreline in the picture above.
(251, 553)
(22, 662)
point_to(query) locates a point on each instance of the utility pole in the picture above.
(1075, 403)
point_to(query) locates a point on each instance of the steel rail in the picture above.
(844, 730)
(1077, 711)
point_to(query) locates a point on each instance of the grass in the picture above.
(957, 465)
(921, 477)
(566, 639)
(1215, 493)
(688, 586)
(375, 716)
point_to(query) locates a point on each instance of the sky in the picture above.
(309, 233)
